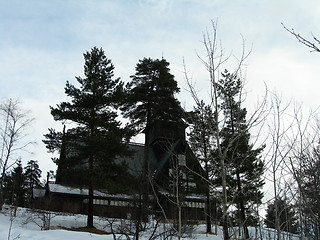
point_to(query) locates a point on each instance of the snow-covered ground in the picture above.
(28, 224)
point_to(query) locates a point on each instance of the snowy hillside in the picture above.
(27, 225)
(24, 227)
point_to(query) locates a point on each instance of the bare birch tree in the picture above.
(13, 130)
(293, 135)
(214, 61)
(304, 166)
(280, 125)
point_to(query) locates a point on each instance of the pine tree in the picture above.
(150, 94)
(244, 165)
(202, 142)
(14, 186)
(202, 127)
(286, 214)
(32, 175)
(89, 148)
(150, 97)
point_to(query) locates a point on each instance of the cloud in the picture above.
(39, 110)
(292, 73)
(42, 44)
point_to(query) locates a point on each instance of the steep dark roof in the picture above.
(162, 153)
(135, 160)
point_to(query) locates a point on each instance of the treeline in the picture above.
(19, 183)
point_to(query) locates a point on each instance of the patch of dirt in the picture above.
(85, 229)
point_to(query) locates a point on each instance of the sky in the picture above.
(42, 45)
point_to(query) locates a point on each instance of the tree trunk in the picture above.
(145, 177)
(225, 201)
(242, 209)
(208, 213)
(1, 195)
(225, 228)
(90, 208)
(138, 216)
(90, 200)
(179, 222)
(208, 209)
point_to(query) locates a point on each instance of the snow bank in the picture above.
(27, 226)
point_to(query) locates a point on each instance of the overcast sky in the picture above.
(42, 42)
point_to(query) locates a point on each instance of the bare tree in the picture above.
(214, 61)
(13, 130)
(304, 167)
(12, 218)
(293, 133)
(280, 125)
(41, 218)
(308, 178)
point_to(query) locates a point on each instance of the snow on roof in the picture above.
(189, 197)
(58, 188)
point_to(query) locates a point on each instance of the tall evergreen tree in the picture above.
(96, 136)
(244, 165)
(150, 97)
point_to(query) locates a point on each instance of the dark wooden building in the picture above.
(174, 177)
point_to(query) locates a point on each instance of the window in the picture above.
(119, 203)
(194, 204)
(100, 202)
(182, 160)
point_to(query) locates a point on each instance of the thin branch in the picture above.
(303, 40)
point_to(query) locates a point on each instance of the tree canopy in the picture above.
(150, 94)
